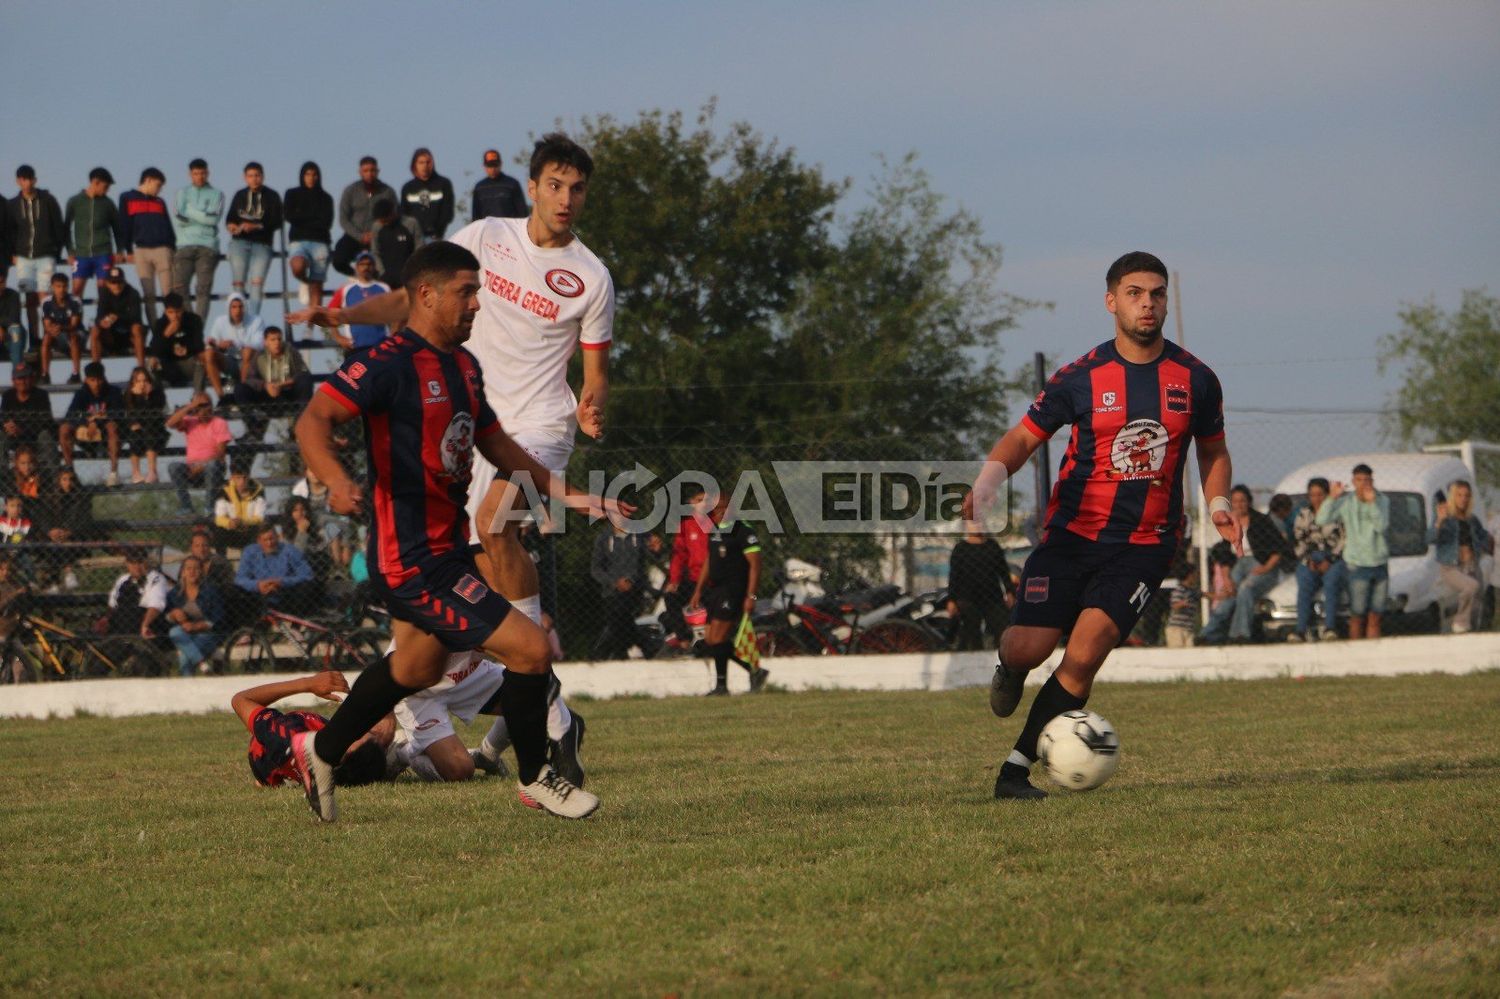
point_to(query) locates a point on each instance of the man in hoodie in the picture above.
(393, 239)
(239, 508)
(91, 230)
(235, 337)
(498, 195)
(357, 213)
(195, 212)
(253, 222)
(91, 419)
(36, 225)
(117, 328)
(427, 197)
(146, 236)
(309, 214)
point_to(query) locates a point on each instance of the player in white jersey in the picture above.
(543, 295)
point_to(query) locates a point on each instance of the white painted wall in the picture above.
(945, 671)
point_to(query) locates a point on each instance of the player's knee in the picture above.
(458, 767)
(532, 654)
(1025, 649)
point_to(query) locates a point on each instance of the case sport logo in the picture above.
(565, 283)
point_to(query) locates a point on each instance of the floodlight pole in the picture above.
(1042, 466)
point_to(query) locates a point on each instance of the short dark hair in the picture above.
(1319, 481)
(365, 765)
(1242, 488)
(372, 161)
(25, 172)
(1362, 469)
(93, 369)
(272, 329)
(198, 163)
(59, 276)
(421, 151)
(171, 300)
(438, 260)
(151, 173)
(383, 208)
(557, 148)
(1460, 482)
(99, 173)
(252, 165)
(1281, 501)
(1135, 260)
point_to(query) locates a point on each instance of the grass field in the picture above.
(1331, 837)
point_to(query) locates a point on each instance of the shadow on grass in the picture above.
(1392, 773)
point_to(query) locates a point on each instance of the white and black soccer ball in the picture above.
(1079, 749)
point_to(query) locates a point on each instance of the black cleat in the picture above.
(718, 692)
(1016, 786)
(563, 753)
(1005, 690)
(758, 679)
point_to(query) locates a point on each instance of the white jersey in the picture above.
(536, 306)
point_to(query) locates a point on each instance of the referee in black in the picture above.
(726, 589)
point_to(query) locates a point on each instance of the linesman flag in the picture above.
(745, 649)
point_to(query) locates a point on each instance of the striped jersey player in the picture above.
(1114, 520)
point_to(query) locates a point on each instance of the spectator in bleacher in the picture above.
(619, 567)
(278, 385)
(1461, 539)
(427, 197)
(393, 239)
(1320, 565)
(309, 217)
(337, 531)
(143, 423)
(207, 437)
(10, 318)
(91, 230)
(1366, 516)
(1279, 509)
(26, 480)
(15, 526)
(91, 419)
(26, 418)
(146, 236)
(356, 213)
(1182, 604)
(1267, 554)
(277, 573)
(980, 589)
(37, 234)
(360, 336)
(68, 512)
(253, 221)
(235, 337)
(239, 509)
(62, 316)
(301, 530)
(179, 352)
(118, 329)
(195, 608)
(138, 598)
(13, 594)
(195, 214)
(217, 569)
(498, 195)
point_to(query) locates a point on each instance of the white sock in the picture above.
(1019, 759)
(422, 766)
(495, 738)
(530, 606)
(559, 719)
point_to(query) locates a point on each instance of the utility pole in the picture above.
(1042, 463)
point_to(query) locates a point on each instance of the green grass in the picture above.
(1329, 836)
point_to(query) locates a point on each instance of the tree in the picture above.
(1451, 375)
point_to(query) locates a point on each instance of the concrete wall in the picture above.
(687, 677)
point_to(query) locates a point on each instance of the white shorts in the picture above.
(551, 450)
(424, 717)
(34, 274)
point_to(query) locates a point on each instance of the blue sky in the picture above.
(1305, 168)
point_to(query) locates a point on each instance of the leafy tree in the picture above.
(1451, 375)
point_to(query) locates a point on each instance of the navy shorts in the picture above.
(724, 603)
(447, 598)
(1068, 573)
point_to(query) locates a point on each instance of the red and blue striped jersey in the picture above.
(271, 734)
(1121, 478)
(422, 409)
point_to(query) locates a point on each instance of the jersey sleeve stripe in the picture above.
(1213, 437)
(331, 390)
(1031, 425)
(601, 345)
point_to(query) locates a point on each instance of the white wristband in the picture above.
(1218, 504)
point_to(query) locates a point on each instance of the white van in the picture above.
(1416, 602)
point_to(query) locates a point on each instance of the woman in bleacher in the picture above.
(145, 423)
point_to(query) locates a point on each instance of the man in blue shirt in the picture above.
(360, 336)
(277, 573)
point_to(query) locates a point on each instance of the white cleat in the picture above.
(317, 777)
(553, 794)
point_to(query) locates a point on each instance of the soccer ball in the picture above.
(1079, 749)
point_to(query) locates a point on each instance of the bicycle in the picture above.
(47, 648)
(832, 628)
(252, 648)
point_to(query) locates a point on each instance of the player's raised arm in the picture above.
(389, 309)
(1005, 459)
(324, 684)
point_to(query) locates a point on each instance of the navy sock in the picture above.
(374, 694)
(1052, 700)
(523, 703)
